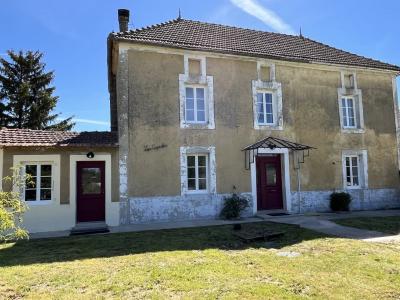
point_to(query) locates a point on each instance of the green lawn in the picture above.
(200, 263)
(389, 225)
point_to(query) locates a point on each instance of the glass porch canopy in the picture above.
(272, 143)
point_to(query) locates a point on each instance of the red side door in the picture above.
(90, 191)
(269, 182)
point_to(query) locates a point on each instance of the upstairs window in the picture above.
(195, 105)
(196, 96)
(265, 109)
(350, 104)
(38, 185)
(348, 112)
(197, 170)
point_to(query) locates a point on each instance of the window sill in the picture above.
(353, 130)
(267, 127)
(39, 203)
(197, 126)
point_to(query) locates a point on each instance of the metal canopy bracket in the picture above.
(251, 151)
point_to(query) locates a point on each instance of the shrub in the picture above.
(340, 201)
(233, 207)
(12, 208)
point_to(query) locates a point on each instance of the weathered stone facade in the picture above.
(148, 97)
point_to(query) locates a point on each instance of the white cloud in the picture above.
(88, 121)
(267, 16)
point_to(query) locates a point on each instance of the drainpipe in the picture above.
(298, 183)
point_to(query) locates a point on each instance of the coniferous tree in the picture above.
(26, 94)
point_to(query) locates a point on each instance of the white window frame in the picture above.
(51, 159)
(194, 87)
(347, 117)
(351, 166)
(197, 190)
(275, 89)
(207, 82)
(38, 176)
(362, 160)
(209, 152)
(356, 94)
(264, 103)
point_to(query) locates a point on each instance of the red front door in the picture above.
(90, 191)
(269, 182)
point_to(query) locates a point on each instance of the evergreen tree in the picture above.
(26, 96)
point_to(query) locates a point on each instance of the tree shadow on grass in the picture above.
(120, 244)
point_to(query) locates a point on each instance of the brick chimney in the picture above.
(123, 19)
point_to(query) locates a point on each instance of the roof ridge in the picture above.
(171, 21)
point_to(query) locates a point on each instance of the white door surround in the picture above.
(285, 177)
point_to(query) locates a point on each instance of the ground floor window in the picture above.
(355, 169)
(38, 186)
(197, 170)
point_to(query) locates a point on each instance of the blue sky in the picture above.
(72, 34)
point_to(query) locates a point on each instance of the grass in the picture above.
(389, 225)
(198, 263)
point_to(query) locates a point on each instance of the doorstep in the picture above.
(89, 228)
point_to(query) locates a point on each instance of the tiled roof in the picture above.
(28, 137)
(195, 35)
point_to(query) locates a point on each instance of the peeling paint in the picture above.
(175, 208)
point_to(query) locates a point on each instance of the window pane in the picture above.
(344, 112)
(200, 104)
(191, 173)
(189, 103)
(45, 182)
(30, 182)
(259, 98)
(348, 172)
(191, 184)
(200, 93)
(268, 98)
(31, 170)
(45, 170)
(350, 103)
(30, 195)
(202, 161)
(355, 180)
(354, 161)
(189, 115)
(268, 108)
(347, 161)
(189, 93)
(270, 172)
(190, 161)
(270, 118)
(202, 184)
(201, 115)
(260, 118)
(45, 194)
(91, 180)
(202, 172)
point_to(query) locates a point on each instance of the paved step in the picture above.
(89, 228)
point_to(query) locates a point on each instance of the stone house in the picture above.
(199, 111)
(203, 110)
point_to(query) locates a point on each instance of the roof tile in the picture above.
(195, 35)
(29, 137)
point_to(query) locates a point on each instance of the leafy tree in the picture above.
(12, 208)
(26, 94)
